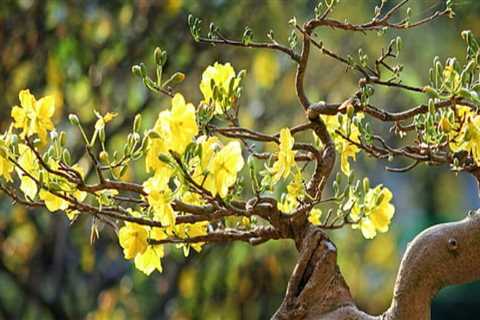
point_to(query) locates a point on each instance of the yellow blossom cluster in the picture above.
(218, 82)
(295, 192)
(375, 213)
(464, 131)
(34, 116)
(342, 123)
(217, 171)
(134, 240)
(285, 158)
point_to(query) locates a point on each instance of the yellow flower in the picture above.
(133, 239)
(6, 166)
(53, 202)
(150, 259)
(209, 147)
(346, 149)
(464, 133)
(286, 156)
(192, 198)
(34, 117)
(191, 230)
(182, 124)
(223, 169)
(220, 75)
(378, 212)
(174, 130)
(451, 76)
(314, 216)
(471, 138)
(102, 120)
(28, 161)
(295, 191)
(159, 198)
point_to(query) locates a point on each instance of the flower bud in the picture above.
(136, 70)
(74, 119)
(103, 156)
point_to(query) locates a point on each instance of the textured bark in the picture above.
(443, 255)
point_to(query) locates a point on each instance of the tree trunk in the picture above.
(443, 255)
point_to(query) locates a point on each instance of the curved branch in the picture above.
(443, 255)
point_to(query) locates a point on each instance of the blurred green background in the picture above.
(82, 51)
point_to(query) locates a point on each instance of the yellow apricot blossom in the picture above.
(28, 168)
(191, 230)
(103, 120)
(286, 156)
(221, 75)
(182, 124)
(159, 198)
(377, 212)
(6, 166)
(223, 169)
(471, 138)
(314, 216)
(209, 147)
(295, 192)
(346, 149)
(56, 202)
(451, 76)
(34, 116)
(150, 259)
(464, 133)
(53, 202)
(174, 130)
(133, 239)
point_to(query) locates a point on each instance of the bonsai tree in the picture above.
(211, 179)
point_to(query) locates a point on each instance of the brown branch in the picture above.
(227, 235)
(443, 255)
(261, 45)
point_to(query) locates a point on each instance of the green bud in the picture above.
(157, 54)
(380, 199)
(123, 170)
(137, 123)
(103, 156)
(164, 158)
(431, 106)
(143, 70)
(14, 139)
(366, 185)
(241, 74)
(350, 110)
(63, 139)
(137, 71)
(66, 156)
(73, 119)
(432, 92)
(53, 135)
(152, 134)
(175, 79)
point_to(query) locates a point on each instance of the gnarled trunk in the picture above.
(443, 255)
